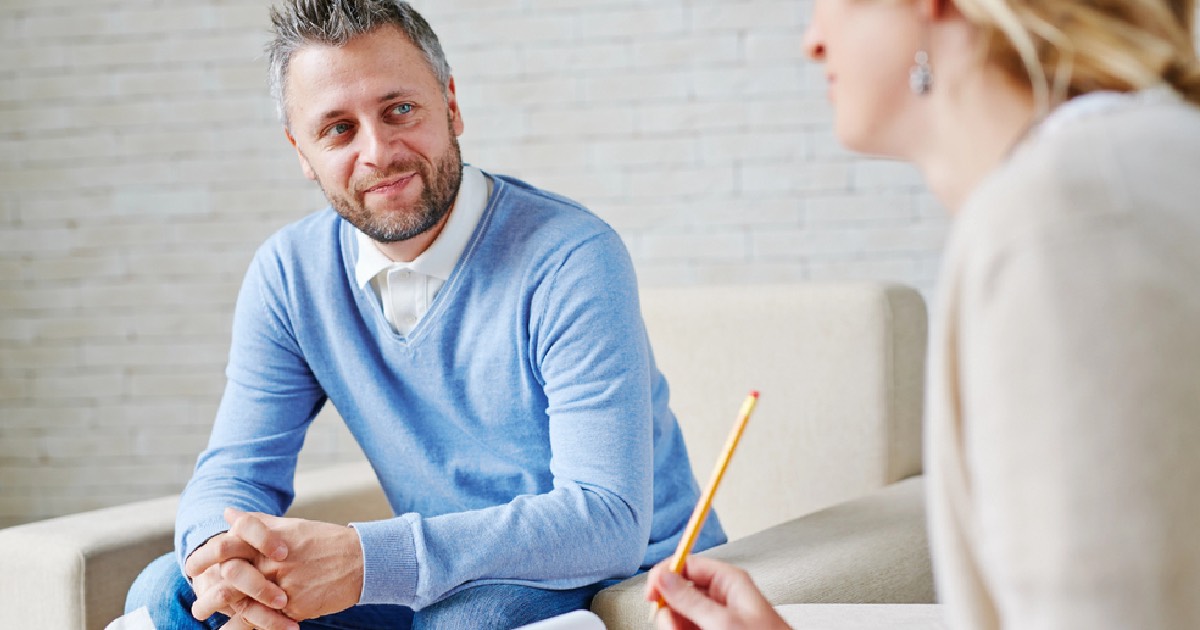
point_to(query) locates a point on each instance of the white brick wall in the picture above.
(695, 127)
(140, 165)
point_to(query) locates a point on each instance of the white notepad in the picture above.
(136, 620)
(576, 620)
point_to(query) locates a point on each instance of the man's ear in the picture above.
(456, 119)
(304, 165)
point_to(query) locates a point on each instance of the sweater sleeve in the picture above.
(591, 357)
(270, 398)
(1080, 354)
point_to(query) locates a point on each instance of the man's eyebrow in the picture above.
(395, 94)
(331, 114)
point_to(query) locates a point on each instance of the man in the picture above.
(482, 340)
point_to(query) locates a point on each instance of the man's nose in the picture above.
(379, 146)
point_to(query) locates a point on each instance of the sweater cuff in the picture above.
(199, 534)
(389, 562)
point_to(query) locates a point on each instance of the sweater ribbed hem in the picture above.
(389, 562)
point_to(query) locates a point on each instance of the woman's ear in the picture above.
(936, 10)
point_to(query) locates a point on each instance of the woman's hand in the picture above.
(714, 596)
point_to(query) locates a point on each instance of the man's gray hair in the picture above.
(299, 23)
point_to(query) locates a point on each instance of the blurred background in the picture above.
(141, 164)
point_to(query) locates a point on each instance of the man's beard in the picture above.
(439, 188)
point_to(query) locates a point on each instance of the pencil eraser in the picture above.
(754, 393)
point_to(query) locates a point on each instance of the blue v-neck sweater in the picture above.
(521, 431)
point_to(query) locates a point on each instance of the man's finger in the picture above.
(247, 579)
(263, 618)
(250, 528)
(237, 623)
(221, 597)
(218, 549)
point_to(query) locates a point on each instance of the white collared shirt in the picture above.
(406, 289)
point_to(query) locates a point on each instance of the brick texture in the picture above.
(140, 166)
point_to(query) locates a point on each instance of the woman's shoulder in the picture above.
(1136, 161)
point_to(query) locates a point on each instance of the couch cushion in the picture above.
(870, 550)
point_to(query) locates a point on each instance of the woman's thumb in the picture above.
(686, 600)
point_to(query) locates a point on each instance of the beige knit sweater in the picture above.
(1063, 428)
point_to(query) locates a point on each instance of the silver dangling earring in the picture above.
(920, 76)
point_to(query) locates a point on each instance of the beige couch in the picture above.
(840, 369)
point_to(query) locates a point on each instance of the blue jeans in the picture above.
(163, 590)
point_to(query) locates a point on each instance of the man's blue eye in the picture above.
(403, 108)
(339, 129)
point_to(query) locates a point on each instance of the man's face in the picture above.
(373, 128)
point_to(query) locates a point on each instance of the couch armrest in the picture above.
(72, 572)
(869, 550)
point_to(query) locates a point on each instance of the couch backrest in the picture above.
(840, 369)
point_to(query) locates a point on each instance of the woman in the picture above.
(1063, 402)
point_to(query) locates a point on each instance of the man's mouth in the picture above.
(391, 185)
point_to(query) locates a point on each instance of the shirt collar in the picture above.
(442, 255)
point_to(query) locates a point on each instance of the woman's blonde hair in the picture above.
(1064, 48)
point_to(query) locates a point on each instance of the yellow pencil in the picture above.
(702, 507)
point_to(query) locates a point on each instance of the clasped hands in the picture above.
(269, 572)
